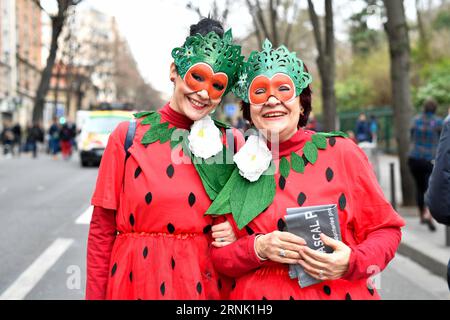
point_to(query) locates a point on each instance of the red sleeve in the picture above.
(237, 258)
(110, 173)
(370, 209)
(374, 254)
(102, 233)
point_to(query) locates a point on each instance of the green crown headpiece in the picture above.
(220, 53)
(270, 62)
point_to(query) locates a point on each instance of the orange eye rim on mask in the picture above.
(201, 76)
(271, 87)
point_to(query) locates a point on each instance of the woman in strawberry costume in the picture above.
(149, 238)
(283, 166)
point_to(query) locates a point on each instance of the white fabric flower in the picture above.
(204, 138)
(253, 158)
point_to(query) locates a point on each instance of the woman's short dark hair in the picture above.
(305, 102)
(430, 105)
(205, 26)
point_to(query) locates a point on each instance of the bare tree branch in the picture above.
(316, 27)
(273, 21)
(287, 34)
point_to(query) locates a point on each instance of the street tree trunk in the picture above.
(397, 32)
(326, 62)
(58, 21)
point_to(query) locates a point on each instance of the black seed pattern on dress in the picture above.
(191, 199)
(132, 220)
(207, 229)
(305, 160)
(199, 288)
(281, 225)
(233, 284)
(148, 198)
(327, 290)
(329, 174)
(219, 284)
(145, 252)
(332, 141)
(291, 298)
(249, 230)
(371, 291)
(162, 288)
(170, 171)
(342, 202)
(282, 182)
(114, 269)
(264, 298)
(137, 172)
(301, 199)
(173, 263)
(131, 276)
(170, 228)
(348, 296)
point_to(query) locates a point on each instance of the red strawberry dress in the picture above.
(161, 247)
(369, 225)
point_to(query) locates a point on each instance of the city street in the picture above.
(45, 214)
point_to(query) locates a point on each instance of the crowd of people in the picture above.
(59, 138)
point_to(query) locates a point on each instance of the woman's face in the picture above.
(274, 107)
(199, 92)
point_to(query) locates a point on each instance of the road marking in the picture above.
(31, 276)
(86, 217)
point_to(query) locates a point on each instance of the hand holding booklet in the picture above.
(308, 223)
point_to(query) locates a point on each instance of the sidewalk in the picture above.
(418, 243)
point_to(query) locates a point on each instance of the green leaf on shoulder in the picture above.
(298, 165)
(153, 119)
(333, 134)
(320, 141)
(167, 135)
(311, 152)
(221, 205)
(221, 124)
(143, 114)
(285, 167)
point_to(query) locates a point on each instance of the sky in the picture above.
(154, 27)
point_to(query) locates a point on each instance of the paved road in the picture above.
(42, 247)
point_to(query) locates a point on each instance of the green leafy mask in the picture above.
(221, 54)
(268, 63)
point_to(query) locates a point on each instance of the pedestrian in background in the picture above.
(425, 131)
(65, 141)
(53, 141)
(35, 134)
(17, 129)
(373, 124)
(7, 139)
(362, 129)
(437, 197)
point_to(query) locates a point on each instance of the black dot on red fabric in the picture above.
(329, 174)
(145, 252)
(342, 202)
(327, 290)
(162, 288)
(132, 219)
(371, 291)
(170, 171)
(281, 225)
(173, 263)
(233, 284)
(114, 269)
(191, 199)
(219, 284)
(332, 141)
(199, 288)
(291, 298)
(301, 198)
(170, 228)
(207, 229)
(249, 230)
(282, 182)
(348, 296)
(148, 198)
(263, 298)
(305, 160)
(137, 172)
(131, 276)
